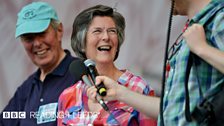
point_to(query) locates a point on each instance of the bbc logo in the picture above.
(14, 115)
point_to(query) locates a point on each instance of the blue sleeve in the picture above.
(16, 103)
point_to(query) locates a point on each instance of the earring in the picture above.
(83, 50)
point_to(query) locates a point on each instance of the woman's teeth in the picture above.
(104, 48)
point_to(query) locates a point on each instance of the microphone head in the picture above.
(78, 69)
(89, 62)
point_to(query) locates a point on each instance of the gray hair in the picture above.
(55, 24)
(84, 19)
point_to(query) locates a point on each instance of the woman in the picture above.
(98, 33)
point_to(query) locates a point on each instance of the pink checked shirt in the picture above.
(73, 106)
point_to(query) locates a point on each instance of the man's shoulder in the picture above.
(29, 81)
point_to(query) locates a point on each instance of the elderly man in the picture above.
(40, 32)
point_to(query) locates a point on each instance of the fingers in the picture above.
(195, 33)
(194, 29)
(100, 79)
(91, 93)
(108, 82)
(195, 38)
(111, 95)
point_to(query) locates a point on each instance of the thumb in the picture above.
(108, 82)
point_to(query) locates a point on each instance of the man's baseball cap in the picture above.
(35, 18)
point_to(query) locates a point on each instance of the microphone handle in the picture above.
(86, 80)
(101, 89)
(93, 73)
(99, 100)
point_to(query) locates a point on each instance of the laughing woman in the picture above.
(98, 33)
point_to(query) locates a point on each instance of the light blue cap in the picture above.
(35, 18)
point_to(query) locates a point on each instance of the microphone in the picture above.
(79, 70)
(90, 64)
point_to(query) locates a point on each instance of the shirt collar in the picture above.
(64, 65)
(125, 77)
(205, 14)
(61, 69)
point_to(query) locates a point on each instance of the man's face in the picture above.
(44, 49)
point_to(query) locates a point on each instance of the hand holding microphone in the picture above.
(90, 64)
(79, 70)
(114, 90)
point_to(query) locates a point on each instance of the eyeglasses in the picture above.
(100, 31)
(175, 47)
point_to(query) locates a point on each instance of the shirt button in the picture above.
(41, 100)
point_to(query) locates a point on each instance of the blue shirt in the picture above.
(36, 97)
(203, 77)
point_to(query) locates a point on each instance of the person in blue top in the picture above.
(203, 36)
(40, 32)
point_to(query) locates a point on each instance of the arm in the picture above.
(145, 104)
(196, 40)
(16, 104)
